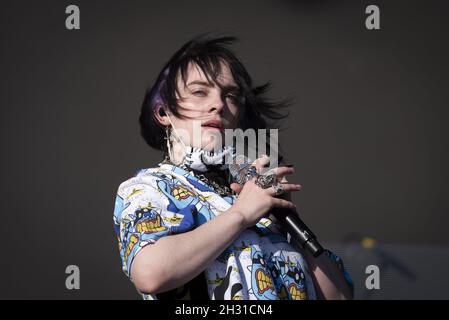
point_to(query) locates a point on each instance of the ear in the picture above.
(161, 116)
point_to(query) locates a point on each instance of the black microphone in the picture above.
(287, 218)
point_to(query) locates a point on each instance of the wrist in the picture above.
(239, 217)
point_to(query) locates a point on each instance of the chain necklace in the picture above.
(216, 179)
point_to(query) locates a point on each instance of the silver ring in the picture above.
(251, 172)
(245, 174)
(278, 189)
(266, 180)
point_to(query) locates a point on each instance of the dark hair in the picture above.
(207, 52)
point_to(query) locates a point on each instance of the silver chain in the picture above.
(220, 189)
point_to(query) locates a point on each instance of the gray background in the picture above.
(367, 132)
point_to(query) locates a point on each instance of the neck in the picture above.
(177, 153)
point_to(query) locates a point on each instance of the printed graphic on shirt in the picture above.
(259, 265)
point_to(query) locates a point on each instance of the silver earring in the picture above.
(167, 137)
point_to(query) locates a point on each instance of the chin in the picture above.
(211, 142)
(208, 146)
(211, 147)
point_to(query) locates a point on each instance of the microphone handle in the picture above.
(298, 230)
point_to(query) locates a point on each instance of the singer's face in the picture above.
(209, 108)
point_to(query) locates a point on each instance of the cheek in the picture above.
(234, 109)
(194, 107)
(234, 114)
(191, 110)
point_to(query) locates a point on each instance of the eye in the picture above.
(232, 97)
(199, 93)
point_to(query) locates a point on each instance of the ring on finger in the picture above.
(278, 189)
(251, 172)
(265, 180)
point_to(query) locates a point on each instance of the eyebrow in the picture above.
(207, 84)
(204, 83)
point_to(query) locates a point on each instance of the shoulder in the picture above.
(164, 187)
(152, 180)
(142, 187)
(147, 178)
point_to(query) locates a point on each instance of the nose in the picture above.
(217, 105)
(216, 108)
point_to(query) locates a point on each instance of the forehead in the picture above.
(194, 73)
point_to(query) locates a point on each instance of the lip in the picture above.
(213, 124)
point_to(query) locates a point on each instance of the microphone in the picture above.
(287, 218)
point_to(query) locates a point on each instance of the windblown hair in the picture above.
(206, 52)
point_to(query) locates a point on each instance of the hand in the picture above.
(253, 202)
(260, 165)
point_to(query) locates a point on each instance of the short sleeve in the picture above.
(141, 217)
(342, 268)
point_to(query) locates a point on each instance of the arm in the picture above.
(154, 270)
(329, 280)
(166, 260)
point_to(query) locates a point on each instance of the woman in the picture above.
(186, 230)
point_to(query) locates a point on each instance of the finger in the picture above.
(281, 171)
(236, 187)
(260, 163)
(287, 187)
(283, 203)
